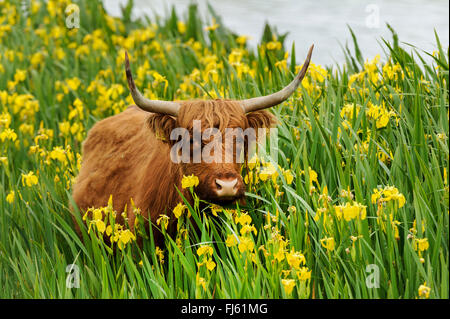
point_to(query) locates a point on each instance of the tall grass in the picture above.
(332, 136)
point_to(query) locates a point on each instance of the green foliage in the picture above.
(349, 130)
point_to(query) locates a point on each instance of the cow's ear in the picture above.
(161, 125)
(261, 118)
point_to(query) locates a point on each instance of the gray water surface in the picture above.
(322, 22)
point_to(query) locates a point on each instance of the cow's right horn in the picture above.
(264, 102)
(155, 106)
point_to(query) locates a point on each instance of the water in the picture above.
(324, 23)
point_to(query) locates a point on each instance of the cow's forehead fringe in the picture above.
(220, 114)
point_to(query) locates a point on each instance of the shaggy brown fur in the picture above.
(127, 156)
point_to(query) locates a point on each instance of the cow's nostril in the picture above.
(226, 188)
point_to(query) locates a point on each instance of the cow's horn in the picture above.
(263, 102)
(162, 107)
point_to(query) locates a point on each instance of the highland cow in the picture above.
(128, 155)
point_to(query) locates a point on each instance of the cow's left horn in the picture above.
(162, 107)
(263, 102)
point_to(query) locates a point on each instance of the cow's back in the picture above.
(115, 154)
